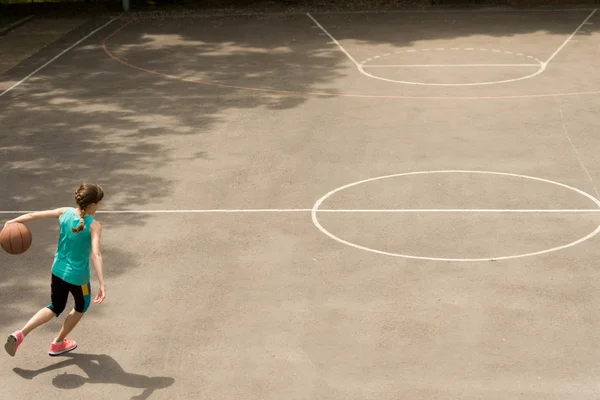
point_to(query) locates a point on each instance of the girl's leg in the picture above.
(40, 318)
(58, 301)
(15, 339)
(59, 294)
(70, 322)
(81, 295)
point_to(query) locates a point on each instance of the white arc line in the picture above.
(56, 57)
(541, 69)
(570, 37)
(448, 65)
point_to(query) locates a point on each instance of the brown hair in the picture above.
(85, 195)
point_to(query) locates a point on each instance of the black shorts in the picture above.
(60, 292)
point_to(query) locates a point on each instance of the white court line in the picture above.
(447, 65)
(334, 41)
(570, 37)
(542, 66)
(462, 210)
(359, 66)
(317, 205)
(209, 211)
(450, 11)
(564, 126)
(334, 211)
(205, 211)
(56, 57)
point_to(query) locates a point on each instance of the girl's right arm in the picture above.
(96, 232)
(32, 216)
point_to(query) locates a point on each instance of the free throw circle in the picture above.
(315, 210)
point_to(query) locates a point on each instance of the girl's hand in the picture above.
(100, 296)
(8, 222)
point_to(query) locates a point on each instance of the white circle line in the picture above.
(454, 49)
(318, 203)
(361, 68)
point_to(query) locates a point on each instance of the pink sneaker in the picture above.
(57, 349)
(13, 342)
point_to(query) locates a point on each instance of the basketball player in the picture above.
(78, 241)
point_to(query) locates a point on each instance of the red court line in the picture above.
(322, 94)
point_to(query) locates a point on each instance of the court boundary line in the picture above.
(570, 37)
(58, 56)
(344, 211)
(334, 41)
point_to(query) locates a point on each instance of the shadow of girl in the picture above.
(99, 369)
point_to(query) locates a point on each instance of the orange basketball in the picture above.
(15, 238)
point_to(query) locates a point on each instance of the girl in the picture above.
(78, 241)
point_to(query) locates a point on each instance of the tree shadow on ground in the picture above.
(101, 369)
(87, 117)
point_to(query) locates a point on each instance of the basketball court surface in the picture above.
(321, 205)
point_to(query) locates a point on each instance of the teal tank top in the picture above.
(72, 257)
